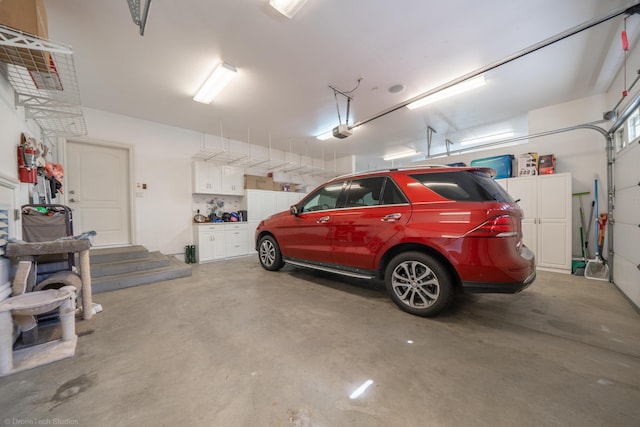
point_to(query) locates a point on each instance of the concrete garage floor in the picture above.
(234, 345)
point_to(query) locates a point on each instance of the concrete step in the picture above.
(176, 269)
(125, 253)
(153, 260)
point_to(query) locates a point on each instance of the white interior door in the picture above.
(97, 188)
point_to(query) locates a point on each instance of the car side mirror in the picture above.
(293, 210)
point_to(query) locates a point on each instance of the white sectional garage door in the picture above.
(626, 230)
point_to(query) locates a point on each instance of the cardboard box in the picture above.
(28, 16)
(255, 182)
(547, 164)
(527, 164)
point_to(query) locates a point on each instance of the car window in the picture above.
(323, 198)
(364, 192)
(392, 194)
(467, 186)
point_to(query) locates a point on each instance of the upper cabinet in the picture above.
(232, 180)
(211, 178)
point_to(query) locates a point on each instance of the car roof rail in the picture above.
(403, 168)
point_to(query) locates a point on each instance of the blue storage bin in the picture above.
(501, 164)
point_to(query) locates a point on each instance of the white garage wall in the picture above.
(581, 152)
(162, 158)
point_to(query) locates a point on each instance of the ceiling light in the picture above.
(325, 136)
(221, 76)
(450, 91)
(487, 138)
(287, 7)
(400, 155)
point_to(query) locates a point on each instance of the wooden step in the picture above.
(125, 253)
(124, 267)
(153, 260)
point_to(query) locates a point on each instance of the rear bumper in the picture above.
(498, 269)
(498, 288)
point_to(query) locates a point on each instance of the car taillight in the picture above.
(500, 226)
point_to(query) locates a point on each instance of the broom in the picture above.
(596, 269)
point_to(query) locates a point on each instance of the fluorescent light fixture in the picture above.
(360, 389)
(487, 138)
(219, 78)
(450, 91)
(287, 7)
(400, 155)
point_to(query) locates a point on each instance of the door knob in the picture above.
(73, 200)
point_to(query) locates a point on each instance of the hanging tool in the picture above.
(583, 225)
(586, 237)
(602, 222)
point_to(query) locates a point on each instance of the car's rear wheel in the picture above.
(269, 254)
(418, 284)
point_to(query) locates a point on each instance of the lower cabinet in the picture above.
(220, 240)
(236, 237)
(210, 242)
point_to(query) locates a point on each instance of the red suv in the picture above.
(426, 231)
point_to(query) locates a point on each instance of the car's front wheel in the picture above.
(269, 254)
(418, 284)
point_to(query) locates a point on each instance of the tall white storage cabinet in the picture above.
(546, 228)
(263, 203)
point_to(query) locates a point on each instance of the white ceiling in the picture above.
(286, 66)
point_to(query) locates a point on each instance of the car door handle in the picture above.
(323, 219)
(391, 217)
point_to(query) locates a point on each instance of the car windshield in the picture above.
(464, 186)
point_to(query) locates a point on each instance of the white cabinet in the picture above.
(546, 227)
(210, 241)
(232, 180)
(206, 178)
(220, 240)
(212, 178)
(236, 237)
